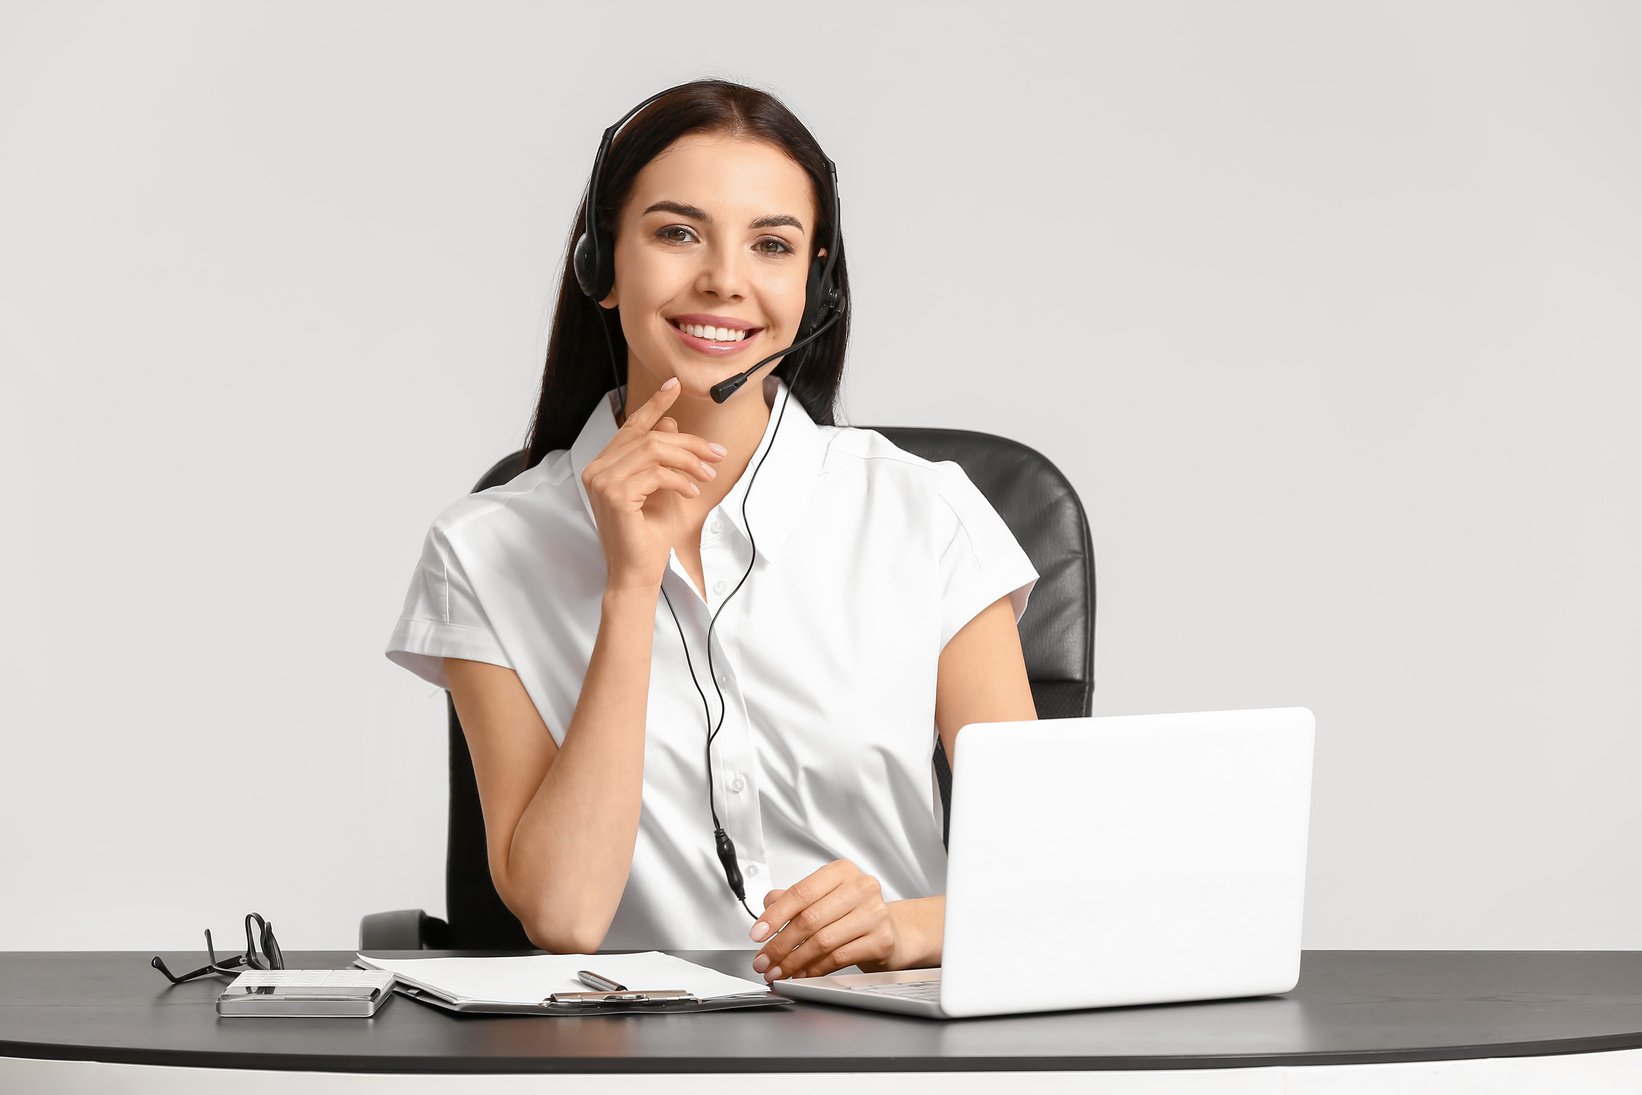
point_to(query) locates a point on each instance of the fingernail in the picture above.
(716, 447)
(760, 930)
(773, 974)
(672, 382)
(761, 963)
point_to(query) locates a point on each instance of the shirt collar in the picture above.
(785, 477)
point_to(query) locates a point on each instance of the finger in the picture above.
(769, 898)
(646, 483)
(636, 490)
(800, 894)
(861, 892)
(643, 419)
(860, 936)
(830, 907)
(667, 424)
(655, 440)
(663, 450)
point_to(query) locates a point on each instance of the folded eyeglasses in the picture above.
(271, 958)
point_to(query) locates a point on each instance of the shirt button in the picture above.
(738, 785)
(724, 679)
(752, 870)
(718, 587)
(716, 526)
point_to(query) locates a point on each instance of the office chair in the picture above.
(1057, 636)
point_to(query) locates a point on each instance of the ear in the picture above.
(821, 253)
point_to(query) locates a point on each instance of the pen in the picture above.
(594, 981)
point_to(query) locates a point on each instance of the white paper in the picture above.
(529, 979)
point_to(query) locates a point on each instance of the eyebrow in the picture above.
(683, 210)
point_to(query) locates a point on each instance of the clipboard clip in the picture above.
(627, 997)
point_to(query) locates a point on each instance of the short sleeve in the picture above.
(442, 617)
(982, 561)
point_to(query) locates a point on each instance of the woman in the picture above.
(858, 602)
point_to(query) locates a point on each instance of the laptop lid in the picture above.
(1126, 859)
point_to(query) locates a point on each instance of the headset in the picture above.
(595, 267)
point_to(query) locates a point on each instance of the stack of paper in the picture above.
(529, 979)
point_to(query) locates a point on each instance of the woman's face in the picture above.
(718, 227)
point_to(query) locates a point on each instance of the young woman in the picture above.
(832, 601)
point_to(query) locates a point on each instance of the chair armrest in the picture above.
(403, 930)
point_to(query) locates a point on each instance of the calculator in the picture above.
(306, 993)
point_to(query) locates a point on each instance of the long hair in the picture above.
(578, 368)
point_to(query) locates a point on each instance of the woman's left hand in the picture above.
(833, 918)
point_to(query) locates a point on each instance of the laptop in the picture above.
(1113, 860)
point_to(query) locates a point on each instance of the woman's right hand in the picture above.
(638, 486)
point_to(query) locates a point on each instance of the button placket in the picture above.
(724, 553)
(732, 748)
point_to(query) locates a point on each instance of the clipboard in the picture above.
(649, 1002)
(546, 984)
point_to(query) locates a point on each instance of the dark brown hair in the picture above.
(578, 368)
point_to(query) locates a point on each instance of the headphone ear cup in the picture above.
(594, 275)
(582, 263)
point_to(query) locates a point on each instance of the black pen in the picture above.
(594, 981)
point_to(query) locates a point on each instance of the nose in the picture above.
(722, 273)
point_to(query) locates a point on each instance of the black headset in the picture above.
(595, 266)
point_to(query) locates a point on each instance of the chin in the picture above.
(706, 373)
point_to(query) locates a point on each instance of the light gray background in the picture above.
(1329, 313)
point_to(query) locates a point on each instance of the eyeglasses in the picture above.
(271, 958)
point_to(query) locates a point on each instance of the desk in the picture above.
(1495, 1021)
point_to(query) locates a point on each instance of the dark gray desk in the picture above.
(1351, 1008)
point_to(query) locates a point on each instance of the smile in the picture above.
(707, 341)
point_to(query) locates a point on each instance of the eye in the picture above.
(781, 247)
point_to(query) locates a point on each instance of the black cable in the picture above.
(724, 846)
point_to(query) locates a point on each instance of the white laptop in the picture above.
(1113, 860)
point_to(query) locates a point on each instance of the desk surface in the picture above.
(1350, 1007)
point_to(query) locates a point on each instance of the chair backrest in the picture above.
(1057, 637)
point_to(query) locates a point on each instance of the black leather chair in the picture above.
(1057, 634)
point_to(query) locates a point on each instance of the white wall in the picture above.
(1328, 311)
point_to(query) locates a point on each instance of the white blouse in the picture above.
(869, 558)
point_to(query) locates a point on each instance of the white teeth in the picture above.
(715, 334)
